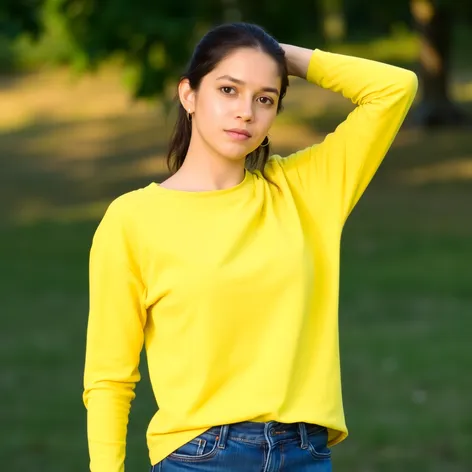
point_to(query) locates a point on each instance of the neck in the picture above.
(203, 170)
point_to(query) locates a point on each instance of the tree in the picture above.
(294, 22)
(20, 16)
(333, 20)
(434, 20)
(152, 39)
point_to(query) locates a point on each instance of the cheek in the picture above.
(213, 107)
(266, 118)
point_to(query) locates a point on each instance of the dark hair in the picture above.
(209, 52)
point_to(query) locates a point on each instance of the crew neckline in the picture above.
(204, 193)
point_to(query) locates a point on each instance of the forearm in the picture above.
(108, 408)
(298, 59)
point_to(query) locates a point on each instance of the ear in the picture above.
(187, 96)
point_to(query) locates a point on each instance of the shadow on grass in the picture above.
(43, 294)
(51, 165)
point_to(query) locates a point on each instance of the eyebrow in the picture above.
(241, 82)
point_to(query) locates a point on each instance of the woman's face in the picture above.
(236, 104)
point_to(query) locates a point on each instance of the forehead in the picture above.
(251, 66)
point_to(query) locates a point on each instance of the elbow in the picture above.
(116, 391)
(403, 88)
(109, 388)
(409, 84)
(413, 81)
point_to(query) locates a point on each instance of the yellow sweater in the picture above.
(234, 292)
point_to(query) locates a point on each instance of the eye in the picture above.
(227, 90)
(266, 100)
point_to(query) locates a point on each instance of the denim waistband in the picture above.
(272, 432)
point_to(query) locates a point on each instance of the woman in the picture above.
(228, 270)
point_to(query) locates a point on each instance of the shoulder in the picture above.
(128, 202)
(127, 209)
(133, 202)
(274, 164)
(277, 164)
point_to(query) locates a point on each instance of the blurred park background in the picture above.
(85, 112)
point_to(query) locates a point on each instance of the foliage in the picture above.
(20, 16)
(153, 40)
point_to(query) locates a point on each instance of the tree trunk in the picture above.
(433, 20)
(333, 20)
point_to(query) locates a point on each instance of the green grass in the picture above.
(405, 311)
(406, 324)
(44, 305)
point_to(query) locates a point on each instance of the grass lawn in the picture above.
(406, 288)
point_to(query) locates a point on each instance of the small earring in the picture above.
(189, 115)
(265, 142)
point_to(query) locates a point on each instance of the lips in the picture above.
(238, 134)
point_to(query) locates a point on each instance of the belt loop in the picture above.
(303, 435)
(224, 430)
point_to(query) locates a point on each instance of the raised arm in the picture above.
(341, 167)
(114, 341)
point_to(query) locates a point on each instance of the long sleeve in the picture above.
(114, 340)
(342, 166)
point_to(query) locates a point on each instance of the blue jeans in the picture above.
(253, 447)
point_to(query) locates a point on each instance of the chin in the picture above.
(238, 153)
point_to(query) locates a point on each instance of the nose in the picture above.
(245, 111)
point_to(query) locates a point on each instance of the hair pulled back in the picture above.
(215, 46)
